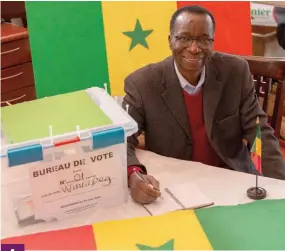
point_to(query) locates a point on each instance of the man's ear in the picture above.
(169, 41)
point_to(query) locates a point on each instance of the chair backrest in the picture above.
(269, 77)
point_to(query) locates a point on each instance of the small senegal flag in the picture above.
(256, 148)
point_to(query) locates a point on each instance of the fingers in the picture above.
(142, 192)
(140, 196)
(150, 190)
(153, 181)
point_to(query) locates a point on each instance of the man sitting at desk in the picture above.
(196, 105)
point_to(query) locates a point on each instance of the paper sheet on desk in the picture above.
(179, 197)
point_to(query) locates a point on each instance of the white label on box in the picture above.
(78, 182)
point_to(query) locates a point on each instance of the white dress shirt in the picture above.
(191, 89)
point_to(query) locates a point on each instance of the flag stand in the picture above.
(256, 193)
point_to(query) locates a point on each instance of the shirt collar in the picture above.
(184, 83)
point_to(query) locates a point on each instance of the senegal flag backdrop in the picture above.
(253, 226)
(76, 45)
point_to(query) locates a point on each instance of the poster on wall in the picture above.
(262, 14)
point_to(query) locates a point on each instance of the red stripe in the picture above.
(233, 25)
(79, 238)
(68, 141)
(257, 162)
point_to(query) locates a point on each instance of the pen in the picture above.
(138, 174)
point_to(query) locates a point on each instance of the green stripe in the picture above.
(68, 46)
(258, 135)
(254, 226)
(253, 148)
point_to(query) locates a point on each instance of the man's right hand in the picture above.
(143, 192)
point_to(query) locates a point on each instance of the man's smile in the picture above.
(194, 60)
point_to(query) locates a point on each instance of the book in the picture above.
(179, 197)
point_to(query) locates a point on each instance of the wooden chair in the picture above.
(268, 75)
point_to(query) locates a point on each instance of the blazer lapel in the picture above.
(173, 95)
(211, 95)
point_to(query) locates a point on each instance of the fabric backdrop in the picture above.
(76, 45)
(258, 225)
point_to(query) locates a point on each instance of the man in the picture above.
(279, 14)
(196, 105)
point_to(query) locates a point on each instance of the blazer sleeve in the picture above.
(136, 111)
(272, 160)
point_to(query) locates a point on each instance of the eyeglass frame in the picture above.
(198, 41)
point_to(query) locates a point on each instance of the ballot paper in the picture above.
(179, 197)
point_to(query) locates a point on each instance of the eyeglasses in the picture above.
(202, 43)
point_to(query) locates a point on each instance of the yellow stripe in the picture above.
(181, 226)
(258, 146)
(122, 16)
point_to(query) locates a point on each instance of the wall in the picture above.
(273, 49)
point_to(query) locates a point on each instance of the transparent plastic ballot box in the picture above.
(43, 134)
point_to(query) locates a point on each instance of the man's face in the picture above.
(191, 56)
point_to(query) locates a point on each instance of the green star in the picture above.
(138, 35)
(169, 245)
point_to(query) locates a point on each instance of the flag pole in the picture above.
(257, 193)
(256, 182)
(256, 175)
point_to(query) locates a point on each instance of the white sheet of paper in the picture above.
(190, 195)
(76, 183)
(162, 205)
(187, 193)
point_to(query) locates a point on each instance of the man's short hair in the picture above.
(191, 9)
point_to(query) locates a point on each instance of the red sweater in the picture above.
(202, 150)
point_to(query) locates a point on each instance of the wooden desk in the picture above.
(17, 78)
(225, 187)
